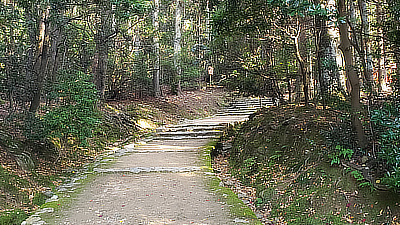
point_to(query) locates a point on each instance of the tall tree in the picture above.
(156, 70)
(177, 45)
(41, 55)
(365, 41)
(102, 38)
(351, 72)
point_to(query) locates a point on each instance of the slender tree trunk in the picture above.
(40, 60)
(177, 45)
(319, 48)
(101, 55)
(54, 62)
(303, 68)
(156, 72)
(365, 44)
(351, 73)
(381, 59)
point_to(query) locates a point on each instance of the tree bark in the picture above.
(40, 60)
(101, 54)
(302, 67)
(381, 60)
(177, 46)
(351, 73)
(329, 77)
(156, 71)
(365, 44)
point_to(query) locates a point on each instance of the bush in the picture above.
(76, 114)
(387, 125)
(73, 114)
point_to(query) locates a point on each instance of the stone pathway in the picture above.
(161, 181)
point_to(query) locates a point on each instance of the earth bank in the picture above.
(283, 157)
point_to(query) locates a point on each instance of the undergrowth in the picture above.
(283, 153)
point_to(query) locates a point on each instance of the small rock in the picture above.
(52, 199)
(48, 194)
(238, 220)
(364, 159)
(33, 220)
(62, 189)
(259, 216)
(45, 210)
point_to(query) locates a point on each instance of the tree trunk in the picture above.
(177, 45)
(303, 68)
(156, 72)
(381, 60)
(40, 60)
(101, 55)
(365, 44)
(351, 73)
(328, 73)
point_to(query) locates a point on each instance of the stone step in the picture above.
(232, 114)
(149, 170)
(194, 125)
(240, 109)
(189, 128)
(248, 107)
(252, 101)
(185, 137)
(189, 133)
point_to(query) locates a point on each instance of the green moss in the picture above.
(65, 200)
(39, 199)
(236, 207)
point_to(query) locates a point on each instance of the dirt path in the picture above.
(163, 181)
(174, 190)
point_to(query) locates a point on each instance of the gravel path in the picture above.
(161, 182)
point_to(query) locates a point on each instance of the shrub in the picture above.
(387, 125)
(72, 114)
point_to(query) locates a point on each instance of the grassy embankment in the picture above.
(282, 152)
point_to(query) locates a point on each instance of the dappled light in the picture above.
(277, 112)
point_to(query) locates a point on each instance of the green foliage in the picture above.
(125, 9)
(387, 125)
(75, 115)
(247, 170)
(393, 22)
(340, 153)
(15, 217)
(39, 199)
(357, 175)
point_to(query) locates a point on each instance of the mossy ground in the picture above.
(282, 153)
(236, 207)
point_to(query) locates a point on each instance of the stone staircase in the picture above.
(208, 128)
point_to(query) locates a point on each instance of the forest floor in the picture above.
(21, 190)
(280, 163)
